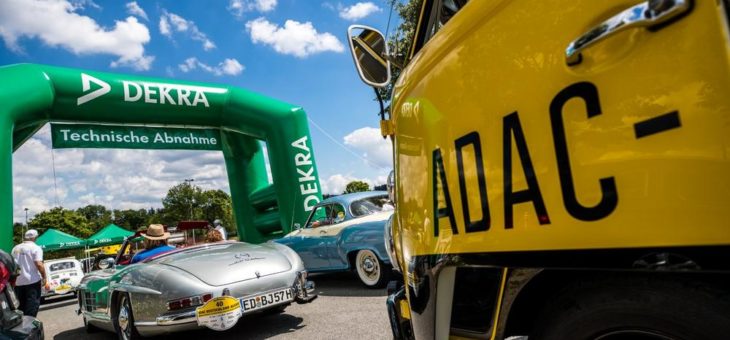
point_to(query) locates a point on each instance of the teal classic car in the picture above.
(209, 285)
(346, 233)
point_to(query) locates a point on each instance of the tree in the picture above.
(182, 202)
(217, 204)
(68, 221)
(131, 219)
(97, 215)
(356, 186)
(18, 229)
(400, 42)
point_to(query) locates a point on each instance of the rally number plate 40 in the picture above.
(259, 301)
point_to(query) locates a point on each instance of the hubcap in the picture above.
(123, 319)
(368, 268)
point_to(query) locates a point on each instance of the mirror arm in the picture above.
(394, 60)
(380, 100)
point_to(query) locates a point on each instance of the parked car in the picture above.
(64, 275)
(209, 285)
(13, 324)
(346, 233)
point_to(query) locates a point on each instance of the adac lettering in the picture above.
(514, 135)
(305, 171)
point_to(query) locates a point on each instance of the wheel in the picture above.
(636, 308)
(124, 320)
(372, 272)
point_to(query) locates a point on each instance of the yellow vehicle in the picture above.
(561, 169)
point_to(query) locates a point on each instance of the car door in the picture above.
(311, 241)
(587, 125)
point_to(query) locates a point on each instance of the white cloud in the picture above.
(295, 38)
(358, 11)
(335, 184)
(116, 178)
(56, 23)
(170, 22)
(229, 66)
(375, 149)
(238, 7)
(134, 9)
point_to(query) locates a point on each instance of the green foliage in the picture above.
(356, 186)
(132, 219)
(97, 215)
(400, 41)
(68, 221)
(189, 202)
(18, 229)
(182, 202)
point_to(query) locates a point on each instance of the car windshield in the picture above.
(367, 206)
(61, 266)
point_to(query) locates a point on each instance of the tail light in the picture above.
(191, 301)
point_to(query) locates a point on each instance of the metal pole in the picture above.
(26, 219)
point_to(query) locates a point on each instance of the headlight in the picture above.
(390, 184)
(389, 245)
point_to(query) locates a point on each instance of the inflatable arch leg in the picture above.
(32, 95)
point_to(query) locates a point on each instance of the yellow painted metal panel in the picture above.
(495, 58)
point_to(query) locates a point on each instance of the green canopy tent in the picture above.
(54, 239)
(111, 234)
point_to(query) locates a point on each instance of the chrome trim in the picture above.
(645, 14)
(133, 289)
(169, 320)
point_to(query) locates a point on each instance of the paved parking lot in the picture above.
(344, 310)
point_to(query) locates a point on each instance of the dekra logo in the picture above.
(151, 93)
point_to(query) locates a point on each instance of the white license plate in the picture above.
(260, 301)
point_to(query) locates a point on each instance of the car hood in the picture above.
(226, 263)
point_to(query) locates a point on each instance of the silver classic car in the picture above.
(209, 285)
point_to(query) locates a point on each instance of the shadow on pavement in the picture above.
(342, 284)
(261, 326)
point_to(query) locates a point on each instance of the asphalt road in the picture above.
(344, 310)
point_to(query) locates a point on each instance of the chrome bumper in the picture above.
(303, 293)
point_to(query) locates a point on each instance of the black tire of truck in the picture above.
(647, 307)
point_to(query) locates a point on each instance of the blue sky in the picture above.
(292, 50)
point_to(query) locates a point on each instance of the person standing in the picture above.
(219, 227)
(29, 256)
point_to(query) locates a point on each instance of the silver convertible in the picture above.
(210, 285)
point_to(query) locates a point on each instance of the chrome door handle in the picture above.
(645, 14)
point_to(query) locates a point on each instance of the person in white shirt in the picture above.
(29, 257)
(219, 228)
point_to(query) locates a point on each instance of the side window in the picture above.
(327, 215)
(435, 17)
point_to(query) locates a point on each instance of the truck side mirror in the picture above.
(370, 50)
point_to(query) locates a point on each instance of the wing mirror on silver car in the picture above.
(370, 51)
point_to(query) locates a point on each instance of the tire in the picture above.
(372, 272)
(658, 307)
(124, 319)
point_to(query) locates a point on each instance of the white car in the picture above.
(64, 275)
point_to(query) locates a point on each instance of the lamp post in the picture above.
(26, 219)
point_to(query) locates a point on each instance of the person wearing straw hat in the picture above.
(155, 242)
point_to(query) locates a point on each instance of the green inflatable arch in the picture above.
(32, 95)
